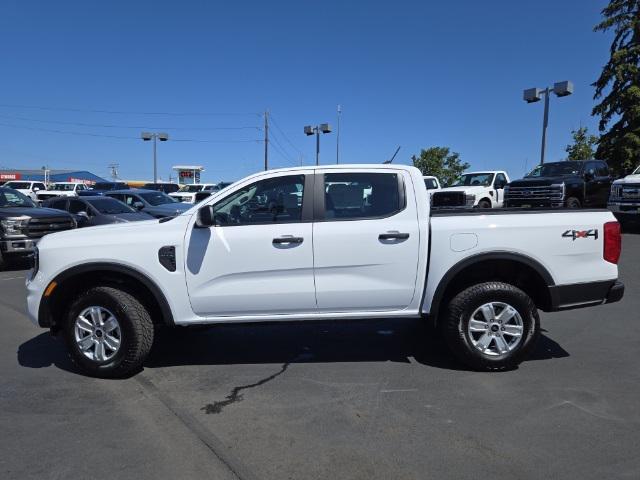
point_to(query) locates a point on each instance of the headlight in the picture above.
(13, 226)
(558, 186)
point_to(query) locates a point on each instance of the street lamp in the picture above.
(532, 95)
(309, 130)
(163, 137)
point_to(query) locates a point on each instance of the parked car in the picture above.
(156, 204)
(162, 187)
(571, 184)
(23, 224)
(100, 188)
(335, 242)
(61, 189)
(30, 189)
(187, 193)
(207, 193)
(474, 189)
(97, 210)
(431, 183)
(624, 200)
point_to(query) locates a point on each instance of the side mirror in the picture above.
(206, 217)
(589, 174)
(138, 205)
(83, 215)
(36, 189)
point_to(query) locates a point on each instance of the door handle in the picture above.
(286, 239)
(393, 236)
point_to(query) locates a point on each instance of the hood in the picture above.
(32, 212)
(541, 181)
(169, 208)
(628, 179)
(130, 217)
(472, 189)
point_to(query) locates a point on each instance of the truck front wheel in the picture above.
(108, 332)
(491, 326)
(572, 202)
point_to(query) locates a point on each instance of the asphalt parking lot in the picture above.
(344, 400)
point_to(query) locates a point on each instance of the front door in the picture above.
(258, 260)
(366, 241)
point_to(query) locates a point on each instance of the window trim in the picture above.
(319, 192)
(308, 200)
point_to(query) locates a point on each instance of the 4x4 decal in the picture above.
(574, 234)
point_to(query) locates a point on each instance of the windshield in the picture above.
(64, 187)
(110, 206)
(191, 188)
(157, 198)
(13, 198)
(18, 185)
(557, 169)
(474, 179)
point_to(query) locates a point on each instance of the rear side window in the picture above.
(355, 195)
(430, 183)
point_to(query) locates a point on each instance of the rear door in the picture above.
(366, 240)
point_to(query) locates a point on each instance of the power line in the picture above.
(88, 134)
(98, 125)
(123, 112)
(286, 155)
(285, 136)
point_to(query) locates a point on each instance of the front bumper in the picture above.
(533, 203)
(17, 246)
(578, 295)
(625, 208)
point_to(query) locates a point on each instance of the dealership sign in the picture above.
(10, 176)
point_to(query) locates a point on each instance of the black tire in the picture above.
(136, 326)
(458, 316)
(573, 202)
(484, 204)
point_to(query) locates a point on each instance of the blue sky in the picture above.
(409, 73)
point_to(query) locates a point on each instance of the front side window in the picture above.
(501, 181)
(473, 180)
(602, 170)
(360, 195)
(76, 206)
(40, 186)
(18, 185)
(109, 206)
(59, 204)
(273, 200)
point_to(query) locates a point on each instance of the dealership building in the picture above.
(81, 176)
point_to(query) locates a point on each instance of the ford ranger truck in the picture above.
(473, 190)
(568, 184)
(314, 243)
(624, 200)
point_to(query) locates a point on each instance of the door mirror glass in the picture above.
(36, 189)
(590, 174)
(206, 217)
(138, 205)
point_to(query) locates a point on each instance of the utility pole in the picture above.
(266, 140)
(338, 135)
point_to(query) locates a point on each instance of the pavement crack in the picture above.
(236, 396)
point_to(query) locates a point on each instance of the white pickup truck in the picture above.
(311, 243)
(624, 199)
(475, 189)
(61, 189)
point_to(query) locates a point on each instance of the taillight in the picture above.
(612, 242)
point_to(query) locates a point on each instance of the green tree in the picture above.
(583, 145)
(441, 163)
(618, 87)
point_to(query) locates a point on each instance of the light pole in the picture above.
(163, 137)
(532, 95)
(309, 130)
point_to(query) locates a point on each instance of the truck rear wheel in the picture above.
(491, 326)
(108, 332)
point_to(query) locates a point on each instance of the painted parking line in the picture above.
(11, 278)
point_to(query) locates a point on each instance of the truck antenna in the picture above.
(394, 156)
